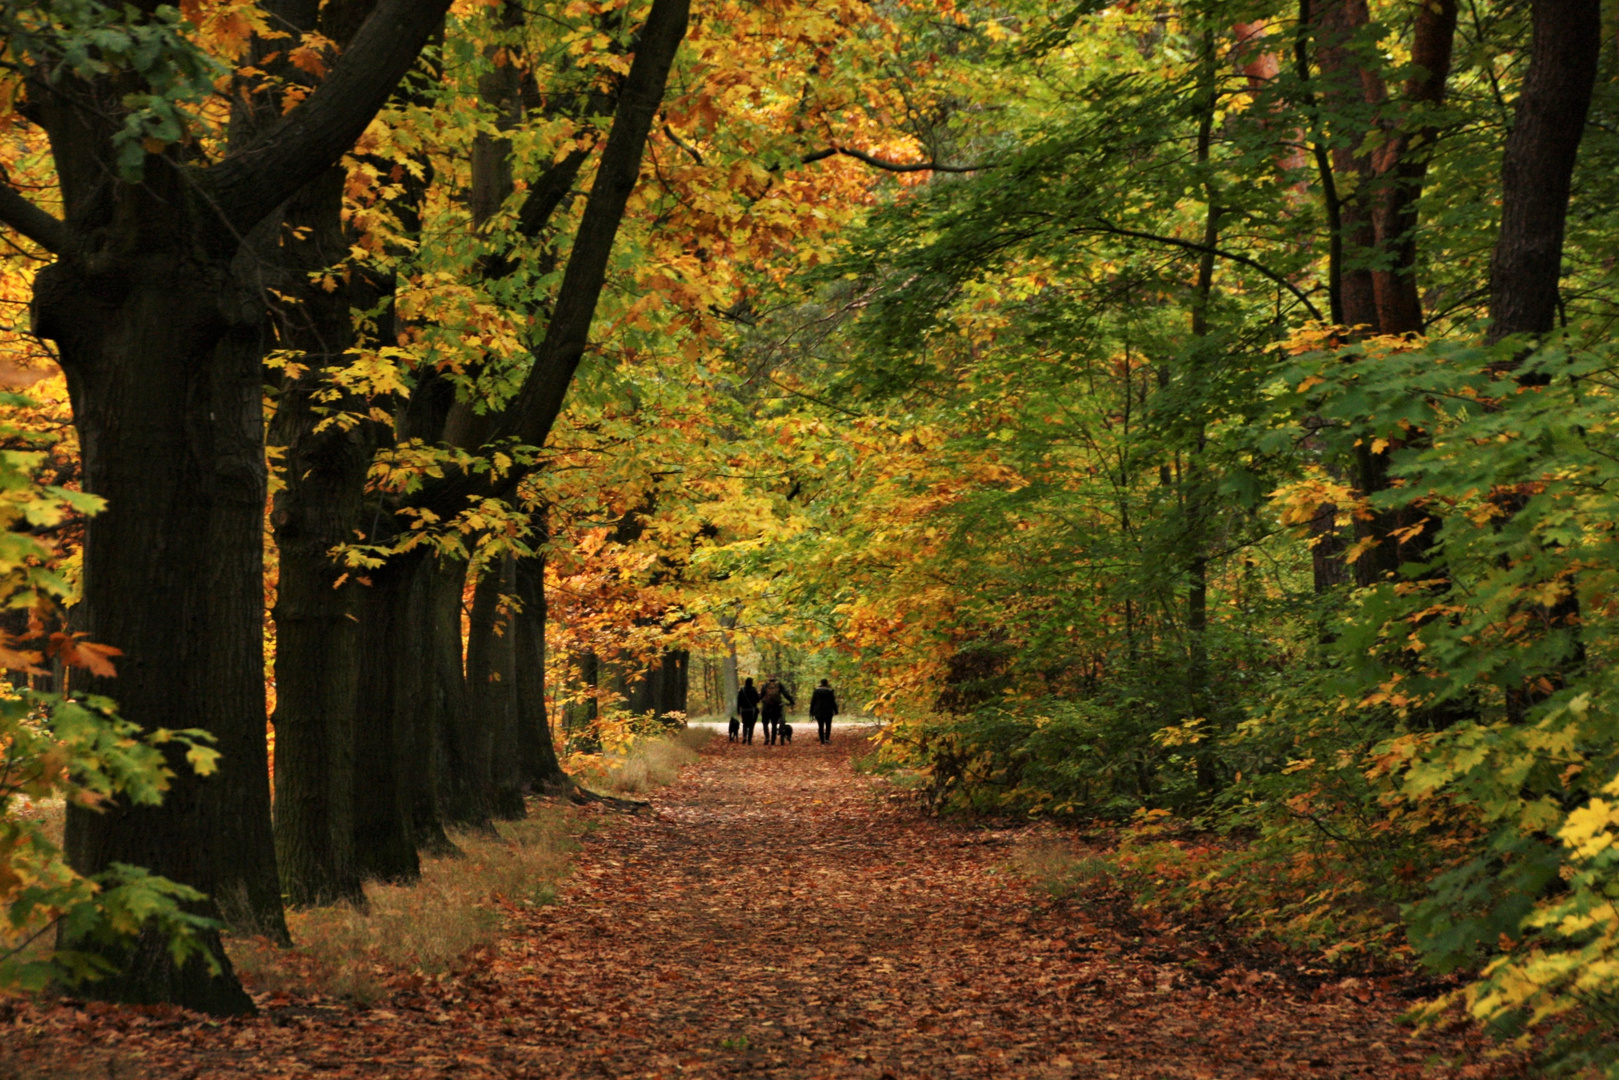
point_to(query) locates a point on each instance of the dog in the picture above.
(784, 732)
(736, 729)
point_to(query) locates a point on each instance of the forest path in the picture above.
(775, 914)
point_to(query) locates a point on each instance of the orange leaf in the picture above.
(85, 654)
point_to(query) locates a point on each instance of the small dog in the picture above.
(785, 733)
(736, 729)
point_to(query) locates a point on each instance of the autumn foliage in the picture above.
(1184, 421)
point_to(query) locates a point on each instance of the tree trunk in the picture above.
(536, 750)
(491, 693)
(1194, 497)
(581, 727)
(1402, 168)
(465, 748)
(674, 690)
(393, 660)
(164, 373)
(1327, 553)
(427, 703)
(1348, 87)
(319, 507)
(1538, 168)
(730, 681)
(1536, 183)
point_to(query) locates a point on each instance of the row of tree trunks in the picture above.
(661, 687)
(454, 737)
(159, 320)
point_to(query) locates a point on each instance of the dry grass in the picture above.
(652, 762)
(429, 928)
(426, 928)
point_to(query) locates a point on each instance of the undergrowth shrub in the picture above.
(1066, 758)
(424, 929)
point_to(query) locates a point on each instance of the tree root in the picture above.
(580, 795)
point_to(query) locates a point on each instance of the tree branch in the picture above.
(889, 166)
(1204, 249)
(253, 181)
(43, 229)
(539, 402)
(691, 151)
(548, 191)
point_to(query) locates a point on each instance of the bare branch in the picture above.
(47, 231)
(890, 166)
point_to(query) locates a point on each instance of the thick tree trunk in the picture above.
(161, 349)
(464, 778)
(317, 693)
(1536, 184)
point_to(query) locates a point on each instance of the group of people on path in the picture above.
(769, 703)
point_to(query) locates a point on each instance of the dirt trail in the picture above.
(777, 915)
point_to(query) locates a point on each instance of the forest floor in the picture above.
(774, 913)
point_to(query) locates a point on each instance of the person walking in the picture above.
(823, 706)
(771, 700)
(747, 707)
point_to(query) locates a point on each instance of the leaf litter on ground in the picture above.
(777, 914)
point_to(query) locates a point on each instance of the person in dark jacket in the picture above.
(772, 700)
(747, 707)
(823, 706)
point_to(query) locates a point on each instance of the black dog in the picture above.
(736, 728)
(784, 732)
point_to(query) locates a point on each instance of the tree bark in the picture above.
(165, 388)
(465, 748)
(1538, 168)
(319, 507)
(1349, 87)
(493, 770)
(1402, 169)
(1537, 174)
(730, 681)
(536, 748)
(394, 660)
